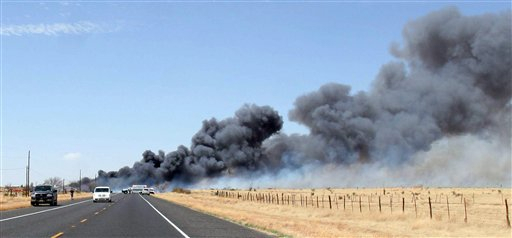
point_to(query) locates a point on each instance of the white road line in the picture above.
(176, 227)
(48, 210)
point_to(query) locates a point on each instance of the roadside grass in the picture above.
(485, 212)
(11, 203)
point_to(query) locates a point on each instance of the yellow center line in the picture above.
(82, 221)
(57, 235)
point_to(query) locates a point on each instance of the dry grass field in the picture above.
(9, 203)
(355, 212)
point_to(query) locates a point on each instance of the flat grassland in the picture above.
(15, 202)
(356, 212)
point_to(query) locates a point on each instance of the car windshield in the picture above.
(101, 190)
(43, 188)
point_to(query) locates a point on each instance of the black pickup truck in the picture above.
(44, 194)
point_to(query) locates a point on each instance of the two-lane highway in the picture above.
(129, 215)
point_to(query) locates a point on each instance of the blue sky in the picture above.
(91, 85)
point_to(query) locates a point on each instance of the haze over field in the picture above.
(439, 114)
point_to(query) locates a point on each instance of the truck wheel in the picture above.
(33, 203)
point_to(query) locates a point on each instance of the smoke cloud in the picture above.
(445, 103)
(231, 146)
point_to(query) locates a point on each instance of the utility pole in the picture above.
(28, 175)
(62, 185)
(80, 182)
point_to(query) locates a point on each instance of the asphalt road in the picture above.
(129, 215)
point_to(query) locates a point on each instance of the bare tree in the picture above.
(56, 182)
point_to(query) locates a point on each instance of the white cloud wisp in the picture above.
(55, 29)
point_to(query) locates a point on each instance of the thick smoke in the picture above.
(449, 91)
(453, 78)
(231, 146)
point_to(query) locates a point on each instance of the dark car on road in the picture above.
(44, 194)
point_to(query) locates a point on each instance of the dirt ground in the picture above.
(10, 203)
(355, 212)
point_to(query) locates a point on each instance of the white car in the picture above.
(145, 191)
(102, 194)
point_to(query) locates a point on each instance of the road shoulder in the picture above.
(236, 229)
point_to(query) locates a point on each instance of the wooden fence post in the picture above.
(430, 207)
(380, 207)
(506, 208)
(403, 204)
(344, 202)
(360, 208)
(330, 206)
(415, 209)
(317, 202)
(465, 212)
(391, 203)
(448, 207)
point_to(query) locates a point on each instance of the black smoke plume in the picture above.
(230, 146)
(448, 91)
